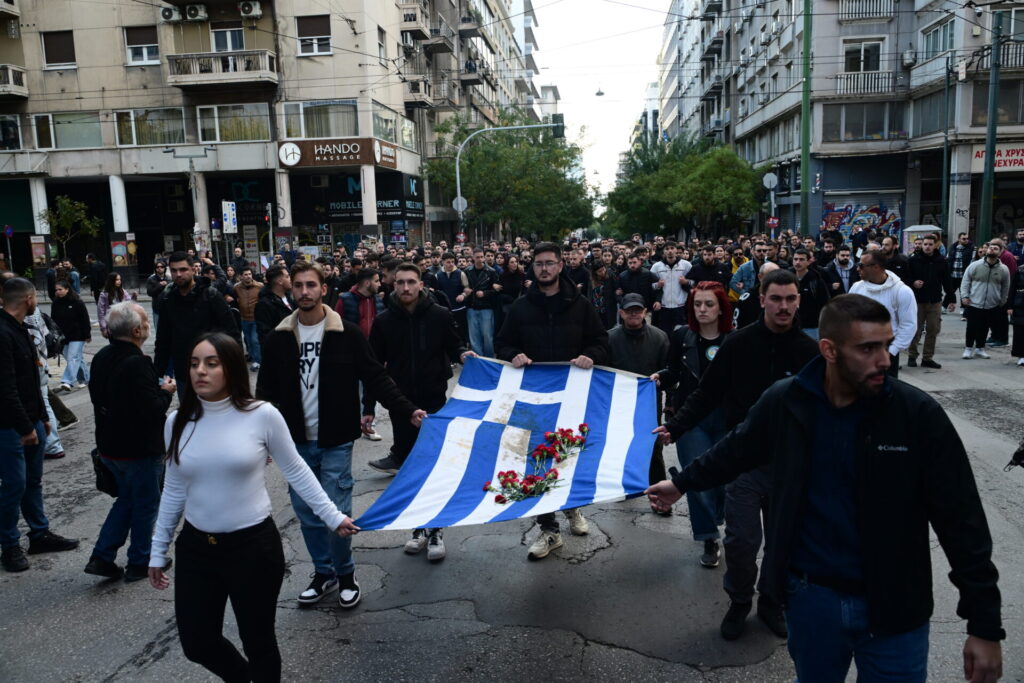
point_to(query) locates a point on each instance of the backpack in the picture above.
(55, 339)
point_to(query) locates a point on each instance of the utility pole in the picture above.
(984, 227)
(945, 157)
(805, 127)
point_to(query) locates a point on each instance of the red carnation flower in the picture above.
(487, 486)
(584, 428)
(500, 499)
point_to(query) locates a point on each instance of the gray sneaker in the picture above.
(435, 546)
(545, 543)
(385, 465)
(417, 543)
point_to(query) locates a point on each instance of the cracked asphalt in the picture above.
(627, 602)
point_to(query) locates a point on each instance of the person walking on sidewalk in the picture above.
(247, 295)
(113, 293)
(23, 429)
(984, 291)
(929, 278)
(313, 363)
(71, 315)
(130, 405)
(885, 287)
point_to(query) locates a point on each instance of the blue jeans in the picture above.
(707, 508)
(53, 446)
(21, 486)
(252, 341)
(134, 510)
(827, 629)
(481, 330)
(76, 370)
(331, 554)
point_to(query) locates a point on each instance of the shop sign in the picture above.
(1009, 156)
(340, 152)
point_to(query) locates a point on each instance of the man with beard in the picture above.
(748, 307)
(751, 360)
(710, 269)
(852, 501)
(673, 284)
(886, 288)
(841, 273)
(895, 261)
(313, 364)
(814, 292)
(746, 275)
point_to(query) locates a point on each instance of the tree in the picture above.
(68, 219)
(722, 188)
(524, 180)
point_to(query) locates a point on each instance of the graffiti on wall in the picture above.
(881, 217)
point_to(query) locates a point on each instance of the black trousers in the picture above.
(245, 567)
(979, 322)
(1000, 324)
(405, 434)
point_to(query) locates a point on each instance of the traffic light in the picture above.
(558, 130)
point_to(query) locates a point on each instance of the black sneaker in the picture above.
(13, 559)
(321, 585)
(711, 555)
(385, 465)
(97, 566)
(348, 591)
(50, 542)
(773, 617)
(735, 621)
(912, 363)
(930, 364)
(138, 572)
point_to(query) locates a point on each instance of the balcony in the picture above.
(12, 82)
(1012, 57)
(866, 10)
(711, 8)
(712, 128)
(471, 73)
(865, 82)
(415, 20)
(441, 39)
(439, 149)
(446, 95)
(469, 27)
(713, 86)
(240, 67)
(713, 41)
(9, 9)
(418, 94)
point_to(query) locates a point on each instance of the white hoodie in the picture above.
(899, 299)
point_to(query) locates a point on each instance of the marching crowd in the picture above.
(771, 354)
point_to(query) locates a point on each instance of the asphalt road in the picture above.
(629, 601)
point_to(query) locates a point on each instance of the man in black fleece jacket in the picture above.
(853, 498)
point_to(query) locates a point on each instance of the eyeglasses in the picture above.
(546, 264)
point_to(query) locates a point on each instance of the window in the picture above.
(142, 46)
(408, 138)
(227, 36)
(10, 132)
(863, 121)
(862, 56)
(382, 46)
(1013, 23)
(69, 130)
(937, 39)
(59, 49)
(150, 127)
(928, 116)
(314, 34)
(1008, 106)
(234, 122)
(323, 119)
(385, 123)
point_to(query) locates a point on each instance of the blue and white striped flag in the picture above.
(495, 417)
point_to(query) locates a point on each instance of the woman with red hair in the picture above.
(691, 350)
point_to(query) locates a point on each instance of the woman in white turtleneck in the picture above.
(218, 442)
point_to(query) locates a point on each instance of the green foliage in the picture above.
(524, 180)
(67, 219)
(720, 186)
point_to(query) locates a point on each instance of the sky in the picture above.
(584, 45)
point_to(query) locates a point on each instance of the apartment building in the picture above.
(678, 72)
(877, 120)
(647, 129)
(312, 118)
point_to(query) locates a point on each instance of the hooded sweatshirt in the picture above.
(986, 284)
(899, 299)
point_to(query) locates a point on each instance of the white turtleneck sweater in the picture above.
(219, 483)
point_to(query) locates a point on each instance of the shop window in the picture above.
(150, 127)
(234, 123)
(58, 49)
(1008, 109)
(70, 130)
(321, 119)
(142, 45)
(314, 34)
(10, 132)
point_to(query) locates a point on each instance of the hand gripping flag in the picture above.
(495, 417)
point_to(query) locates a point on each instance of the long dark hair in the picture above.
(232, 360)
(70, 296)
(114, 292)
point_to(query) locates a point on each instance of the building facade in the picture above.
(312, 123)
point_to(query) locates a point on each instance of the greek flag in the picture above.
(495, 417)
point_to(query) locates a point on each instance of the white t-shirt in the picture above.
(310, 339)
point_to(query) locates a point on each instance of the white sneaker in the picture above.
(417, 543)
(980, 353)
(64, 386)
(968, 354)
(435, 546)
(1020, 361)
(577, 525)
(374, 436)
(545, 543)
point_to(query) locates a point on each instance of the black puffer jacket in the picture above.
(417, 349)
(21, 401)
(933, 271)
(183, 318)
(553, 328)
(270, 311)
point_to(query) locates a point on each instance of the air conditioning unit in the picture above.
(250, 9)
(744, 57)
(407, 40)
(909, 57)
(765, 37)
(762, 98)
(319, 181)
(170, 15)
(776, 27)
(196, 13)
(737, 27)
(759, 4)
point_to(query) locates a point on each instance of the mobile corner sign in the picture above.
(1009, 156)
(340, 152)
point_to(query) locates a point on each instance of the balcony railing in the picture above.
(9, 9)
(469, 27)
(866, 10)
(439, 148)
(12, 81)
(713, 41)
(446, 94)
(222, 68)
(711, 7)
(1012, 57)
(472, 73)
(415, 19)
(865, 82)
(442, 39)
(712, 128)
(418, 94)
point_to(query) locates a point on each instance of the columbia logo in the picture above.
(892, 449)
